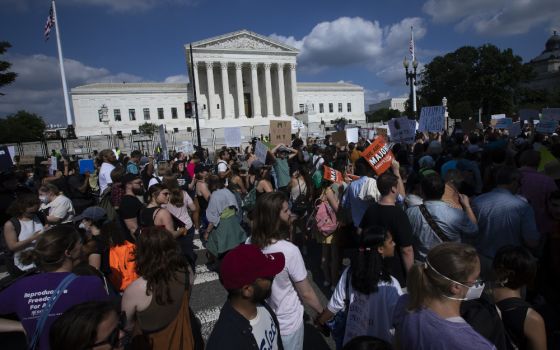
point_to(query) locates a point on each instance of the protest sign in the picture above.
(352, 135)
(364, 133)
(232, 136)
(503, 123)
(432, 119)
(5, 159)
(333, 175)
(402, 130)
(546, 126)
(494, 119)
(371, 134)
(528, 114)
(261, 151)
(280, 132)
(86, 165)
(550, 114)
(339, 137)
(162, 142)
(514, 129)
(378, 155)
(186, 147)
(54, 165)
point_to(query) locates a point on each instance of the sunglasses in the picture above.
(114, 338)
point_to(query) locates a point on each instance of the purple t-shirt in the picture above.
(424, 329)
(27, 296)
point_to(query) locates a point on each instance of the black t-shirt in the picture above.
(102, 248)
(396, 221)
(130, 209)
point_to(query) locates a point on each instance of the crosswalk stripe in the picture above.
(204, 277)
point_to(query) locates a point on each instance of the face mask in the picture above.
(473, 292)
(82, 226)
(44, 199)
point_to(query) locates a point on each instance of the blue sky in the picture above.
(362, 42)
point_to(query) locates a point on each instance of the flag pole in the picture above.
(414, 82)
(61, 63)
(193, 84)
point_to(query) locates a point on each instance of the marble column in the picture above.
(239, 82)
(269, 107)
(281, 89)
(293, 86)
(225, 90)
(195, 77)
(255, 91)
(210, 97)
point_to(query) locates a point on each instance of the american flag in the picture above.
(49, 24)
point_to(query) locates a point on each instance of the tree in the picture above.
(148, 129)
(472, 78)
(7, 77)
(21, 127)
(383, 114)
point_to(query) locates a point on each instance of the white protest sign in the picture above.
(547, 126)
(186, 147)
(54, 165)
(371, 134)
(12, 151)
(503, 123)
(550, 114)
(402, 130)
(232, 136)
(352, 135)
(514, 129)
(498, 116)
(432, 119)
(528, 114)
(260, 151)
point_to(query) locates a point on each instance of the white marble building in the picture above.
(242, 79)
(398, 103)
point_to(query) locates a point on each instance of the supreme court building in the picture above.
(242, 79)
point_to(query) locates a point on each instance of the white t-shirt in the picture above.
(62, 208)
(264, 329)
(318, 163)
(222, 166)
(105, 176)
(28, 229)
(284, 299)
(368, 314)
(154, 181)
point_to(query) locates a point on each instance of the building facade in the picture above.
(398, 103)
(546, 66)
(242, 79)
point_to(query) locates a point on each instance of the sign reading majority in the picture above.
(378, 155)
(333, 175)
(280, 132)
(432, 119)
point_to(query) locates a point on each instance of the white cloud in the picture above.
(351, 41)
(497, 17)
(38, 87)
(180, 78)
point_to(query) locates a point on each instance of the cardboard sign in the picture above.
(503, 123)
(5, 159)
(546, 126)
(378, 155)
(86, 165)
(403, 130)
(333, 175)
(232, 136)
(352, 135)
(261, 151)
(280, 132)
(339, 137)
(528, 114)
(432, 119)
(514, 129)
(550, 114)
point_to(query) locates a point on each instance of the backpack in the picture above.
(325, 218)
(105, 203)
(123, 267)
(301, 203)
(250, 199)
(317, 177)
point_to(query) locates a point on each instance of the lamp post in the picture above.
(411, 81)
(444, 104)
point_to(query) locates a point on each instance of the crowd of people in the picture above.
(455, 246)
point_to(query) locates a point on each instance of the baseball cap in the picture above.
(128, 178)
(245, 263)
(93, 214)
(256, 165)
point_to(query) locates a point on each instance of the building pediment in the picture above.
(243, 40)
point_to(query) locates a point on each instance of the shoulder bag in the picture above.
(437, 230)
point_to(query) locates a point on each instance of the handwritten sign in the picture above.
(86, 165)
(378, 155)
(339, 137)
(503, 123)
(261, 151)
(402, 130)
(280, 132)
(528, 114)
(546, 126)
(232, 137)
(352, 135)
(514, 129)
(432, 119)
(550, 114)
(333, 175)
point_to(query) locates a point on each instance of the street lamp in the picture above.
(411, 81)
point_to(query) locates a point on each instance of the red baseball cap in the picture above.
(245, 263)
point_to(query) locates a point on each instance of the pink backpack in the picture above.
(325, 218)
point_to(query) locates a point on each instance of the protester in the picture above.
(246, 321)
(129, 210)
(105, 160)
(133, 165)
(57, 208)
(155, 215)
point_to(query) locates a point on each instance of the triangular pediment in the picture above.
(243, 40)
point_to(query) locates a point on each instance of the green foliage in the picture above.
(383, 114)
(21, 127)
(148, 128)
(472, 78)
(5, 77)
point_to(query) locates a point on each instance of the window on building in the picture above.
(340, 108)
(349, 107)
(218, 106)
(173, 112)
(175, 129)
(331, 108)
(146, 113)
(117, 114)
(132, 114)
(321, 108)
(301, 108)
(160, 113)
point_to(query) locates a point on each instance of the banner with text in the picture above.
(261, 151)
(403, 130)
(352, 135)
(333, 175)
(546, 126)
(503, 123)
(280, 132)
(432, 119)
(378, 155)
